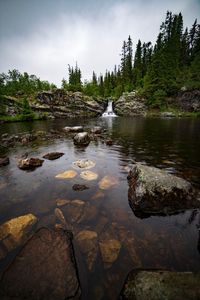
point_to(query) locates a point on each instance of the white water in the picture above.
(109, 111)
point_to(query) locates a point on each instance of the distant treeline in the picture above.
(156, 71)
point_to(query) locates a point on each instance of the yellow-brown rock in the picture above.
(67, 174)
(107, 182)
(109, 251)
(14, 232)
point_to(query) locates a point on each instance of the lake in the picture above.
(157, 242)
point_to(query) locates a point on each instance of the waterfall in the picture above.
(109, 111)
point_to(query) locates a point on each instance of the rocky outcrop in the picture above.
(189, 101)
(154, 191)
(157, 285)
(44, 269)
(60, 103)
(130, 104)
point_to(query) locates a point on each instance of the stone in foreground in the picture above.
(154, 191)
(161, 285)
(44, 269)
(30, 163)
(53, 155)
(15, 231)
(82, 139)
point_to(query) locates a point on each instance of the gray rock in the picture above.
(167, 114)
(82, 139)
(130, 104)
(154, 191)
(44, 269)
(73, 129)
(161, 285)
(96, 130)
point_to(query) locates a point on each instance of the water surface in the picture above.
(170, 242)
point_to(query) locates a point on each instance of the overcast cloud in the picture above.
(42, 37)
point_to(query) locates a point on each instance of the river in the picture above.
(164, 242)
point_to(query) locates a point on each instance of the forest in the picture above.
(155, 71)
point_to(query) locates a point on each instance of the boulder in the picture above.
(30, 163)
(96, 130)
(154, 191)
(4, 161)
(157, 285)
(53, 155)
(130, 104)
(14, 232)
(82, 139)
(44, 269)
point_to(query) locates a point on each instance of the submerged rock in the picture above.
(67, 174)
(80, 187)
(62, 202)
(107, 182)
(89, 175)
(82, 139)
(44, 269)
(30, 163)
(87, 241)
(15, 231)
(53, 155)
(155, 191)
(84, 164)
(4, 161)
(157, 285)
(109, 251)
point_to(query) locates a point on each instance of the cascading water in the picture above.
(109, 111)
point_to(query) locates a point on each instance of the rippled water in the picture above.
(170, 242)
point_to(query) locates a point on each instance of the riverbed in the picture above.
(156, 242)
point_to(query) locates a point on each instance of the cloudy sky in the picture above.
(42, 37)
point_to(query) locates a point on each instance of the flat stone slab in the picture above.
(161, 285)
(45, 269)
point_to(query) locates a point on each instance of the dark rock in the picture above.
(82, 139)
(154, 191)
(109, 142)
(30, 163)
(157, 285)
(80, 187)
(44, 269)
(53, 155)
(4, 161)
(188, 101)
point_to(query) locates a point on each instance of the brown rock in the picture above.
(107, 182)
(4, 161)
(89, 175)
(44, 269)
(67, 174)
(53, 155)
(109, 142)
(62, 202)
(30, 163)
(109, 251)
(80, 187)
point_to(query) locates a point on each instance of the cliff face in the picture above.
(188, 101)
(60, 103)
(130, 104)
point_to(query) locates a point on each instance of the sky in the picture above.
(42, 37)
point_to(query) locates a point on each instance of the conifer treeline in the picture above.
(156, 71)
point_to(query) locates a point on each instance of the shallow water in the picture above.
(170, 242)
